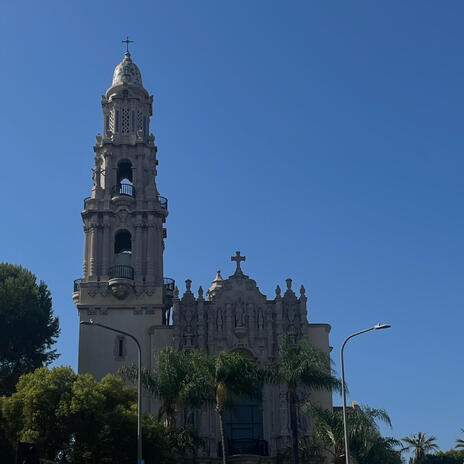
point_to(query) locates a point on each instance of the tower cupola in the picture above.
(127, 72)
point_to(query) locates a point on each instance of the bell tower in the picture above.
(122, 282)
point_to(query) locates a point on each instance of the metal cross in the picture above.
(237, 258)
(127, 42)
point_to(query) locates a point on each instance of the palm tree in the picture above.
(420, 445)
(233, 374)
(460, 442)
(301, 364)
(190, 380)
(366, 443)
(173, 382)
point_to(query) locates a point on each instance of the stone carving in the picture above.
(240, 314)
(219, 320)
(92, 292)
(260, 319)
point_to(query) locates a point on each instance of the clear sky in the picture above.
(321, 139)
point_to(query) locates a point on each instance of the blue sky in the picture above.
(322, 139)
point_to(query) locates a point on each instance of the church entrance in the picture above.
(243, 424)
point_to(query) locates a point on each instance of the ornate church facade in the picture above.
(123, 285)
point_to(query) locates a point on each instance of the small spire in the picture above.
(200, 293)
(302, 291)
(289, 283)
(277, 291)
(218, 277)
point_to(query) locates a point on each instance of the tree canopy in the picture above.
(28, 329)
(301, 364)
(420, 445)
(77, 420)
(367, 445)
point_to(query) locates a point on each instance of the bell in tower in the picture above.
(122, 282)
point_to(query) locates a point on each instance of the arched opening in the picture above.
(243, 424)
(124, 171)
(124, 179)
(243, 421)
(123, 248)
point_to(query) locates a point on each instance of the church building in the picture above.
(123, 285)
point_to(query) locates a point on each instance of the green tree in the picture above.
(193, 379)
(175, 381)
(301, 364)
(28, 329)
(446, 457)
(366, 443)
(233, 374)
(78, 420)
(420, 445)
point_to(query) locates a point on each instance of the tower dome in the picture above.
(127, 72)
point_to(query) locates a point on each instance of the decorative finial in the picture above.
(176, 292)
(127, 42)
(188, 285)
(237, 258)
(277, 290)
(289, 283)
(302, 291)
(200, 292)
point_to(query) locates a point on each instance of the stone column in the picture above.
(150, 249)
(93, 251)
(85, 264)
(138, 177)
(138, 248)
(108, 172)
(106, 245)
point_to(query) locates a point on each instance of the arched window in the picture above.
(124, 171)
(123, 248)
(243, 423)
(124, 179)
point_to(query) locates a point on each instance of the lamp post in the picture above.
(345, 425)
(139, 383)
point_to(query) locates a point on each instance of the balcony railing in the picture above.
(246, 446)
(121, 272)
(163, 202)
(123, 189)
(77, 283)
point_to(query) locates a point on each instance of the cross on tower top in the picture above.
(127, 42)
(237, 258)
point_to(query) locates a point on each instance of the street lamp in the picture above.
(139, 384)
(345, 425)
